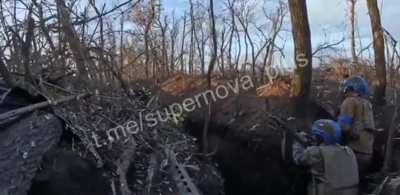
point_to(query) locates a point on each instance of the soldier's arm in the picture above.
(306, 156)
(346, 116)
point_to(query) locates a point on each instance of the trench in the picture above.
(250, 167)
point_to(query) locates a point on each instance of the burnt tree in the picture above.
(303, 53)
(352, 30)
(211, 65)
(379, 49)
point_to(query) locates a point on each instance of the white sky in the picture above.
(329, 19)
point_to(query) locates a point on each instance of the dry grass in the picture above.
(280, 87)
(182, 84)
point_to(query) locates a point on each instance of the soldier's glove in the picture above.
(308, 138)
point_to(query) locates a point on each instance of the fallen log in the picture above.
(40, 105)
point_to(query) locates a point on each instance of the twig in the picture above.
(327, 46)
(106, 13)
(56, 87)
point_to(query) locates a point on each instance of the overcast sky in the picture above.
(333, 13)
(329, 19)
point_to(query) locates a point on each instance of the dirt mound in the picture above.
(181, 84)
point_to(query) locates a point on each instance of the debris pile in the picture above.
(137, 160)
(96, 131)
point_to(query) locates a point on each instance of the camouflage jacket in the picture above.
(359, 111)
(333, 167)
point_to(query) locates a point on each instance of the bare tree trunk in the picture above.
(236, 69)
(182, 55)
(203, 51)
(79, 51)
(192, 37)
(147, 30)
(201, 43)
(45, 30)
(26, 48)
(213, 59)
(246, 54)
(102, 74)
(146, 53)
(266, 45)
(379, 49)
(164, 55)
(303, 54)
(233, 28)
(245, 24)
(121, 47)
(352, 31)
(173, 37)
(222, 51)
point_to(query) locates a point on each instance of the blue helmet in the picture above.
(358, 84)
(327, 130)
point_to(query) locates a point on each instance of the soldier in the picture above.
(357, 121)
(333, 167)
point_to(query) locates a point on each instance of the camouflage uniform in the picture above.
(333, 167)
(359, 134)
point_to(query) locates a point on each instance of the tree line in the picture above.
(115, 43)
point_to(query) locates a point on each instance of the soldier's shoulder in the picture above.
(350, 101)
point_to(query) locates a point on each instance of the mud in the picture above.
(66, 173)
